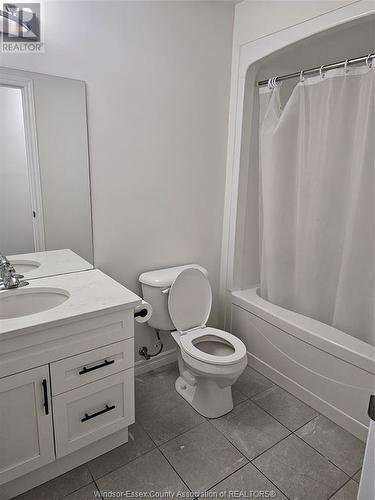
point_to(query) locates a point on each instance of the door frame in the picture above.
(25, 84)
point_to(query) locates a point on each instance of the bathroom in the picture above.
(135, 128)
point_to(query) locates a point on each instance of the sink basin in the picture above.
(22, 302)
(24, 266)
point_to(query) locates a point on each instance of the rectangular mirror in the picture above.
(44, 172)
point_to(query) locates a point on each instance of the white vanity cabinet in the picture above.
(53, 410)
(26, 432)
(66, 380)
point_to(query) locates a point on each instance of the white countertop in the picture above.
(90, 292)
(51, 263)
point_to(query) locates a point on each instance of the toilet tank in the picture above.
(155, 288)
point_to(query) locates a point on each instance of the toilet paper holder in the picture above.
(142, 313)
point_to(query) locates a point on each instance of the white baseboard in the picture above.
(300, 392)
(162, 359)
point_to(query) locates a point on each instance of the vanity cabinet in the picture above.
(66, 379)
(26, 432)
(44, 417)
(82, 394)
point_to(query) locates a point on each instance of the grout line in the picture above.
(355, 475)
(321, 454)
(133, 460)
(338, 489)
(97, 487)
(178, 474)
(122, 465)
(303, 425)
(174, 437)
(238, 449)
(222, 479)
(70, 492)
(270, 480)
(229, 475)
(282, 439)
(270, 448)
(87, 467)
(271, 415)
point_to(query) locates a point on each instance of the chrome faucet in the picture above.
(8, 276)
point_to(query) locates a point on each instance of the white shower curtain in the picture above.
(317, 201)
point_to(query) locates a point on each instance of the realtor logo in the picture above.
(20, 28)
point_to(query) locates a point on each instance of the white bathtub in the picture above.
(325, 367)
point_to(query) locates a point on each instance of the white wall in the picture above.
(258, 18)
(158, 76)
(16, 228)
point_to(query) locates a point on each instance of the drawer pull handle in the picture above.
(100, 412)
(45, 396)
(105, 363)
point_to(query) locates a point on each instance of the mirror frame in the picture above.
(31, 142)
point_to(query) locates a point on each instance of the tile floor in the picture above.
(271, 441)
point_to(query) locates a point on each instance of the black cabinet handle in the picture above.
(371, 407)
(45, 396)
(105, 363)
(100, 412)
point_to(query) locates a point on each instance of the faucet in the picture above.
(8, 276)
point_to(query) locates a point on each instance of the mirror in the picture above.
(45, 207)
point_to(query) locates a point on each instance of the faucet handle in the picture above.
(3, 260)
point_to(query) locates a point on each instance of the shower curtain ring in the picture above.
(321, 71)
(346, 70)
(301, 77)
(369, 60)
(269, 84)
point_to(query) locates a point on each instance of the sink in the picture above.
(22, 302)
(24, 266)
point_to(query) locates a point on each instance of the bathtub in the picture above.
(326, 368)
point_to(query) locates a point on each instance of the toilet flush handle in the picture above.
(166, 290)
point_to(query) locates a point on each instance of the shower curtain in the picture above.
(317, 200)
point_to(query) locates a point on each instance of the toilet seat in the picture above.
(189, 305)
(189, 339)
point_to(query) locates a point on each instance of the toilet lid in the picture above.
(189, 300)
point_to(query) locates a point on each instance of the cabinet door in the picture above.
(26, 436)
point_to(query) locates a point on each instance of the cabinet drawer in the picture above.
(82, 369)
(91, 412)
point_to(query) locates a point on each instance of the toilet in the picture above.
(209, 360)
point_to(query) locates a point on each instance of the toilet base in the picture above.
(206, 397)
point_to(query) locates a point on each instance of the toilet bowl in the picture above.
(209, 360)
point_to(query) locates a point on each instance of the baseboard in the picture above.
(336, 415)
(162, 359)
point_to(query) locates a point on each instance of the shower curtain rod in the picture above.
(318, 69)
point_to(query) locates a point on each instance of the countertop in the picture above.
(90, 292)
(51, 262)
